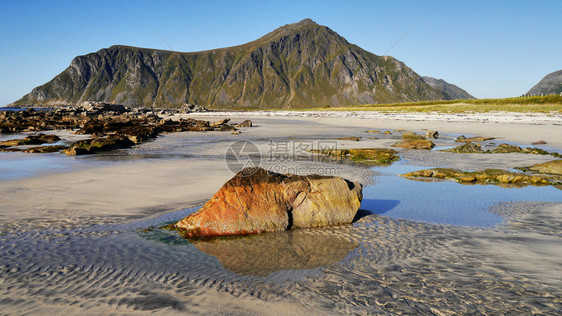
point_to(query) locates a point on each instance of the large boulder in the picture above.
(256, 201)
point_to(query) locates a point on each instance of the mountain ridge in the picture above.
(451, 91)
(549, 84)
(297, 65)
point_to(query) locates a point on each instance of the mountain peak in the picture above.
(301, 64)
(306, 21)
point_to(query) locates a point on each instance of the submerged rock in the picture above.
(352, 138)
(45, 149)
(256, 201)
(32, 140)
(378, 156)
(485, 176)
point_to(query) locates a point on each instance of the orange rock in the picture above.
(257, 201)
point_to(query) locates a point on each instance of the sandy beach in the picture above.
(72, 238)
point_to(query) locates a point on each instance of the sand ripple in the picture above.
(378, 265)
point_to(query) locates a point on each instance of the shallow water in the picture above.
(416, 248)
(444, 202)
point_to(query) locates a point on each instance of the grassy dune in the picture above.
(540, 104)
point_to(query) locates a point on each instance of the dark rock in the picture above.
(540, 142)
(93, 146)
(45, 149)
(32, 140)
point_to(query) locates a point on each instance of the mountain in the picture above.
(298, 65)
(550, 84)
(450, 91)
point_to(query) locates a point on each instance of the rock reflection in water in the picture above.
(264, 254)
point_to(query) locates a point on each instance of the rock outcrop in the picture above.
(256, 201)
(485, 176)
(112, 126)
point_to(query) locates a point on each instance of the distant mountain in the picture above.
(297, 65)
(450, 91)
(550, 84)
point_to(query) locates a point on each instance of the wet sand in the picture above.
(73, 241)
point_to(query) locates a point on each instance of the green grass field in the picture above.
(537, 104)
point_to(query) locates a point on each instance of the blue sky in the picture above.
(489, 48)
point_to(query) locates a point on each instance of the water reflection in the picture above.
(264, 254)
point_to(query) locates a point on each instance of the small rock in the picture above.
(432, 134)
(412, 140)
(550, 167)
(540, 142)
(246, 123)
(352, 138)
(506, 148)
(468, 148)
(219, 123)
(477, 139)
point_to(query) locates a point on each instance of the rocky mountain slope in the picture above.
(298, 65)
(451, 91)
(550, 84)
